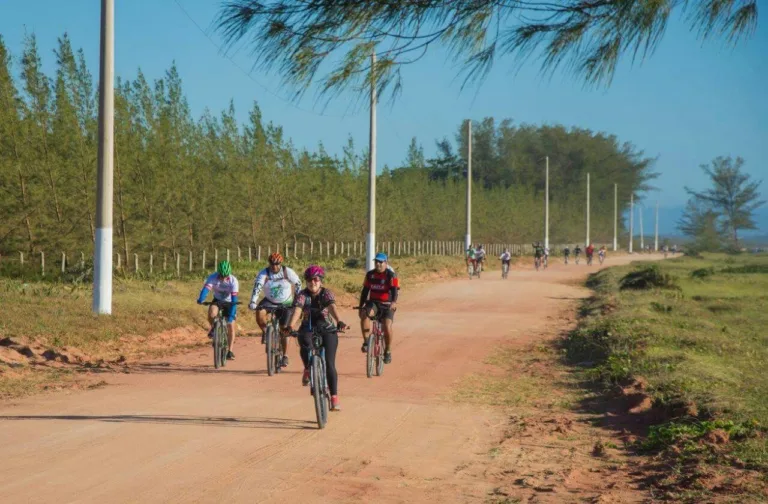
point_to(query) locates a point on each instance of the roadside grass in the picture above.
(699, 341)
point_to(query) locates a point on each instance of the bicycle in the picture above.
(566, 259)
(220, 342)
(577, 258)
(474, 268)
(504, 269)
(273, 348)
(589, 260)
(545, 261)
(374, 359)
(318, 379)
(537, 262)
(601, 258)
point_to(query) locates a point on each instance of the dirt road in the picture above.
(176, 431)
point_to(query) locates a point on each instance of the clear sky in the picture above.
(688, 103)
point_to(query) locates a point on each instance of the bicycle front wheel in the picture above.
(269, 340)
(370, 356)
(317, 379)
(380, 354)
(219, 344)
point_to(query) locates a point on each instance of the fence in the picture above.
(189, 261)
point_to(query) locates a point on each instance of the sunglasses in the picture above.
(378, 262)
(275, 264)
(316, 279)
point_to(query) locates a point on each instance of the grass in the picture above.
(697, 334)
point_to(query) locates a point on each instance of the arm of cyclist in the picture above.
(294, 279)
(258, 284)
(364, 294)
(335, 314)
(394, 290)
(207, 286)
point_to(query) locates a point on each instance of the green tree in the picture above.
(588, 37)
(733, 196)
(700, 223)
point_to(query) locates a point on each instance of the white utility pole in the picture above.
(587, 210)
(615, 217)
(370, 242)
(546, 206)
(468, 238)
(642, 242)
(656, 233)
(631, 220)
(102, 254)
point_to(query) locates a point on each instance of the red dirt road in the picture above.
(177, 431)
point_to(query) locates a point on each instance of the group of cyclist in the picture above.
(476, 255)
(304, 311)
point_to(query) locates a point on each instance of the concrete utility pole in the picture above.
(468, 238)
(546, 206)
(587, 210)
(102, 254)
(371, 238)
(631, 220)
(615, 217)
(656, 233)
(640, 212)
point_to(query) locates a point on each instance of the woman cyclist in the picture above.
(318, 307)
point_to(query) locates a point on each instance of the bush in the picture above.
(702, 273)
(648, 277)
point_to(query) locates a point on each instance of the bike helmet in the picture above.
(224, 268)
(275, 258)
(381, 256)
(314, 271)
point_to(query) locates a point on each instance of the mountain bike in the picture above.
(374, 359)
(473, 269)
(318, 379)
(601, 257)
(504, 269)
(589, 260)
(220, 342)
(545, 261)
(537, 262)
(577, 258)
(272, 346)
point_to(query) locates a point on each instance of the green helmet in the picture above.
(225, 268)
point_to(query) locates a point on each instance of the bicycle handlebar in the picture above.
(220, 303)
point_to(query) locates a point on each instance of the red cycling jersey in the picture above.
(383, 286)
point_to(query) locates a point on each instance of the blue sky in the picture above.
(688, 103)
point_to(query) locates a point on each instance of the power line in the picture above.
(247, 73)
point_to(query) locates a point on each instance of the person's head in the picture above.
(224, 269)
(314, 275)
(506, 250)
(275, 261)
(480, 246)
(380, 262)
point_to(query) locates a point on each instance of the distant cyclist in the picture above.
(601, 254)
(577, 253)
(471, 257)
(538, 253)
(566, 253)
(316, 306)
(280, 283)
(380, 290)
(225, 287)
(546, 256)
(480, 256)
(590, 252)
(506, 259)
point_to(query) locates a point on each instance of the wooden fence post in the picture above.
(215, 258)
(327, 249)
(119, 266)
(21, 259)
(190, 258)
(135, 263)
(258, 257)
(287, 251)
(295, 248)
(203, 259)
(227, 255)
(151, 263)
(303, 249)
(63, 262)
(42, 262)
(250, 257)
(178, 264)
(238, 253)
(82, 260)
(165, 262)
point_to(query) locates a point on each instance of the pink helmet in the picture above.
(314, 271)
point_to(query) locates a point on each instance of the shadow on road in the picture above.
(247, 422)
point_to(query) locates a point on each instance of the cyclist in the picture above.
(589, 251)
(577, 252)
(601, 254)
(546, 256)
(480, 257)
(225, 288)
(316, 306)
(471, 257)
(566, 253)
(380, 289)
(506, 258)
(279, 283)
(538, 251)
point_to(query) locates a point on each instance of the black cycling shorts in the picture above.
(383, 311)
(283, 311)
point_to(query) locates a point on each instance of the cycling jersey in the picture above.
(266, 275)
(567, 251)
(480, 254)
(577, 251)
(224, 288)
(505, 257)
(471, 253)
(538, 251)
(382, 287)
(590, 250)
(546, 251)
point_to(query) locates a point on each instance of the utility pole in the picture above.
(640, 212)
(615, 217)
(371, 238)
(102, 254)
(656, 233)
(587, 245)
(546, 206)
(631, 220)
(468, 238)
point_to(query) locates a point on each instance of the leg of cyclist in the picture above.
(261, 320)
(213, 311)
(284, 337)
(331, 343)
(365, 326)
(231, 331)
(305, 343)
(388, 335)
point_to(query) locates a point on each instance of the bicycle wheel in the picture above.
(220, 345)
(317, 391)
(278, 348)
(370, 356)
(215, 345)
(269, 340)
(380, 354)
(470, 270)
(537, 263)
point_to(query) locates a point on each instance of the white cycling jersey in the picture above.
(223, 288)
(266, 275)
(506, 256)
(479, 254)
(546, 251)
